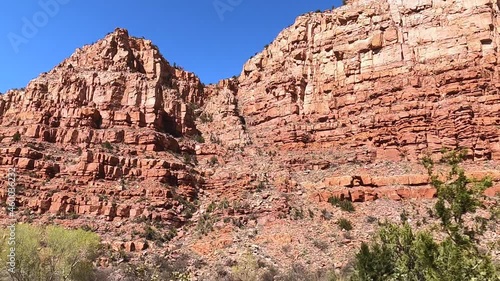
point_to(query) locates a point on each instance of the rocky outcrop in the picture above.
(221, 120)
(98, 136)
(365, 187)
(119, 81)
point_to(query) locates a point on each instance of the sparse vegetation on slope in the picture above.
(50, 253)
(402, 253)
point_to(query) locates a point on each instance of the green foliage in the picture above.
(252, 269)
(16, 137)
(457, 196)
(344, 224)
(298, 272)
(206, 117)
(213, 161)
(189, 159)
(297, 213)
(107, 145)
(224, 204)
(152, 234)
(51, 253)
(188, 207)
(211, 207)
(344, 205)
(400, 253)
(205, 224)
(199, 138)
(260, 186)
(158, 269)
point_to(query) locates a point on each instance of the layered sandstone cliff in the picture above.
(368, 82)
(342, 103)
(380, 77)
(96, 135)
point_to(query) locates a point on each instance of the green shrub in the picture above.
(334, 200)
(16, 137)
(205, 224)
(50, 253)
(158, 268)
(152, 234)
(260, 186)
(344, 224)
(189, 159)
(344, 205)
(298, 272)
(253, 269)
(213, 161)
(206, 117)
(400, 253)
(107, 145)
(199, 138)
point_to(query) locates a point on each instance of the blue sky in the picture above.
(212, 38)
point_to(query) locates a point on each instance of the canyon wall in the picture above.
(383, 78)
(342, 102)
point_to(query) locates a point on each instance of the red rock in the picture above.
(493, 191)
(25, 163)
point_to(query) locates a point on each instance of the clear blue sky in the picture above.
(192, 33)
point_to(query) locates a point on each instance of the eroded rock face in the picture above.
(389, 77)
(99, 135)
(342, 104)
(119, 81)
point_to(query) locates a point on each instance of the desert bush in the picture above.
(251, 268)
(206, 117)
(51, 253)
(189, 159)
(213, 161)
(205, 224)
(344, 205)
(400, 253)
(107, 145)
(298, 272)
(198, 138)
(16, 137)
(344, 224)
(157, 268)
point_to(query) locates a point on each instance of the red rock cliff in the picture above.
(380, 77)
